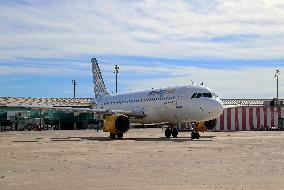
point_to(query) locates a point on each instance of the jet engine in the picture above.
(206, 125)
(211, 124)
(116, 124)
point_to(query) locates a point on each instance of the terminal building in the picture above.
(241, 115)
(251, 114)
(21, 118)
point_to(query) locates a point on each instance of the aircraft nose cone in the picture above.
(216, 108)
(220, 108)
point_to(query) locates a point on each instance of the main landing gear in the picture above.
(113, 136)
(171, 131)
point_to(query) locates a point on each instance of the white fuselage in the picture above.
(174, 104)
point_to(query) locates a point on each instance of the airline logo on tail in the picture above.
(99, 85)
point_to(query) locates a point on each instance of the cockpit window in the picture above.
(204, 95)
(198, 95)
(207, 95)
(214, 95)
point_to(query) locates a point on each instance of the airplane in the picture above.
(192, 103)
(189, 103)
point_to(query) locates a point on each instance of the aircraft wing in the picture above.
(136, 114)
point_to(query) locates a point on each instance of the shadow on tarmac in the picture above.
(179, 139)
(149, 139)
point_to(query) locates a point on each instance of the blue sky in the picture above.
(232, 46)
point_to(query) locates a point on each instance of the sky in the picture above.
(232, 46)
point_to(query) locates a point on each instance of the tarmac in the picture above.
(144, 159)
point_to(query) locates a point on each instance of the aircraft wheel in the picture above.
(168, 132)
(192, 135)
(112, 136)
(119, 136)
(195, 135)
(175, 132)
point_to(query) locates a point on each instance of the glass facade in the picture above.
(13, 118)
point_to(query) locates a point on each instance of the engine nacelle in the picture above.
(211, 124)
(206, 125)
(116, 124)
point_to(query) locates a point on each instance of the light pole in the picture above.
(277, 75)
(74, 87)
(116, 71)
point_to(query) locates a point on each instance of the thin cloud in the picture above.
(157, 40)
(162, 28)
(37, 70)
(240, 83)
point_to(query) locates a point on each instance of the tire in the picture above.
(112, 136)
(120, 136)
(168, 132)
(175, 132)
(192, 135)
(197, 135)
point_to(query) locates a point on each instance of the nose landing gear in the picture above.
(194, 135)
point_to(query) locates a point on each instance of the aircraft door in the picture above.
(179, 98)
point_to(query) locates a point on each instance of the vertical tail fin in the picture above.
(99, 85)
